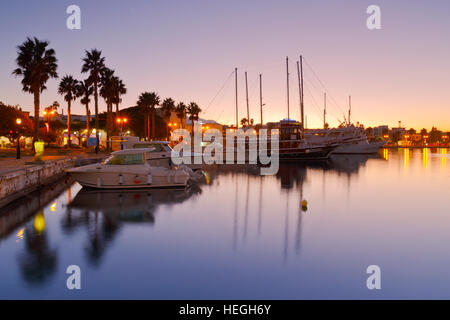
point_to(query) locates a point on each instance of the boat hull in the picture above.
(115, 177)
(306, 154)
(361, 147)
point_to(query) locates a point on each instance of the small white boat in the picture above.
(128, 169)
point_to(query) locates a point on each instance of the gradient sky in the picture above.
(188, 49)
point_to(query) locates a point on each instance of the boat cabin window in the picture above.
(125, 159)
(156, 147)
(143, 146)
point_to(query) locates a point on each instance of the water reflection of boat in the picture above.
(292, 173)
(103, 212)
(129, 205)
(350, 163)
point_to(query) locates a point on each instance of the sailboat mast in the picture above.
(236, 94)
(260, 98)
(246, 95)
(300, 92)
(302, 111)
(324, 109)
(287, 83)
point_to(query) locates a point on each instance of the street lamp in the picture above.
(121, 122)
(18, 122)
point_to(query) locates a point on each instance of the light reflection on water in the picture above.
(241, 235)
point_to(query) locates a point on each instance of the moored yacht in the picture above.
(159, 153)
(349, 140)
(293, 146)
(128, 169)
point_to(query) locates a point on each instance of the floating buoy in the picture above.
(304, 205)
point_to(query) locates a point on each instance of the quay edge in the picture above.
(20, 182)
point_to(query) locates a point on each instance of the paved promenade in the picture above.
(8, 165)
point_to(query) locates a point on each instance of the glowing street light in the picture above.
(121, 122)
(18, 122)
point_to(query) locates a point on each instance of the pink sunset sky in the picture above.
(188, 50)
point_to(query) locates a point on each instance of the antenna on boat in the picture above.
(260, 98)
(246, 94)
(324, 109)
(300, 89)
(349, 109)
(235, 77)
(287, 82)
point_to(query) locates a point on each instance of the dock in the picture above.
(21, 177)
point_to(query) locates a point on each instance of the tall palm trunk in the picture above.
(116, 116)
(36, 114)
(167, 128)
(96, 116)
(88, 118)
(69, 141)
(148, 126)
(153, 124)
(108, 125)
(111, 121)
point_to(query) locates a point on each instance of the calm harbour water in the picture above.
(240, 235)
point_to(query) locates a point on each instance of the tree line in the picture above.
(37, 63)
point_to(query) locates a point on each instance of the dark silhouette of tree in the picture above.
(411, 131)
(68, 87)
(167, 107)
(193, 111)
(435, 135)
(119, 90)
(147, 102)
(84, 91)
(36, 65)
(94, 64)
(180, 109)
(8, 125)
(107, 92)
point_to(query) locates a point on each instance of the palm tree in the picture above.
(119, 90)
(147, 102)
(193, 110)
(85, 90)
(180, 109)
(68, 87)
(55, 105)
(167, 107)
(36, 64)
(107, 92)
(94, 63)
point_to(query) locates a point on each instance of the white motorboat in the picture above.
(159, 153)
(127, 169)
(349, 140)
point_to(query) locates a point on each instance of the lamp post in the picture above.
(121, 122)
(18, 122)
